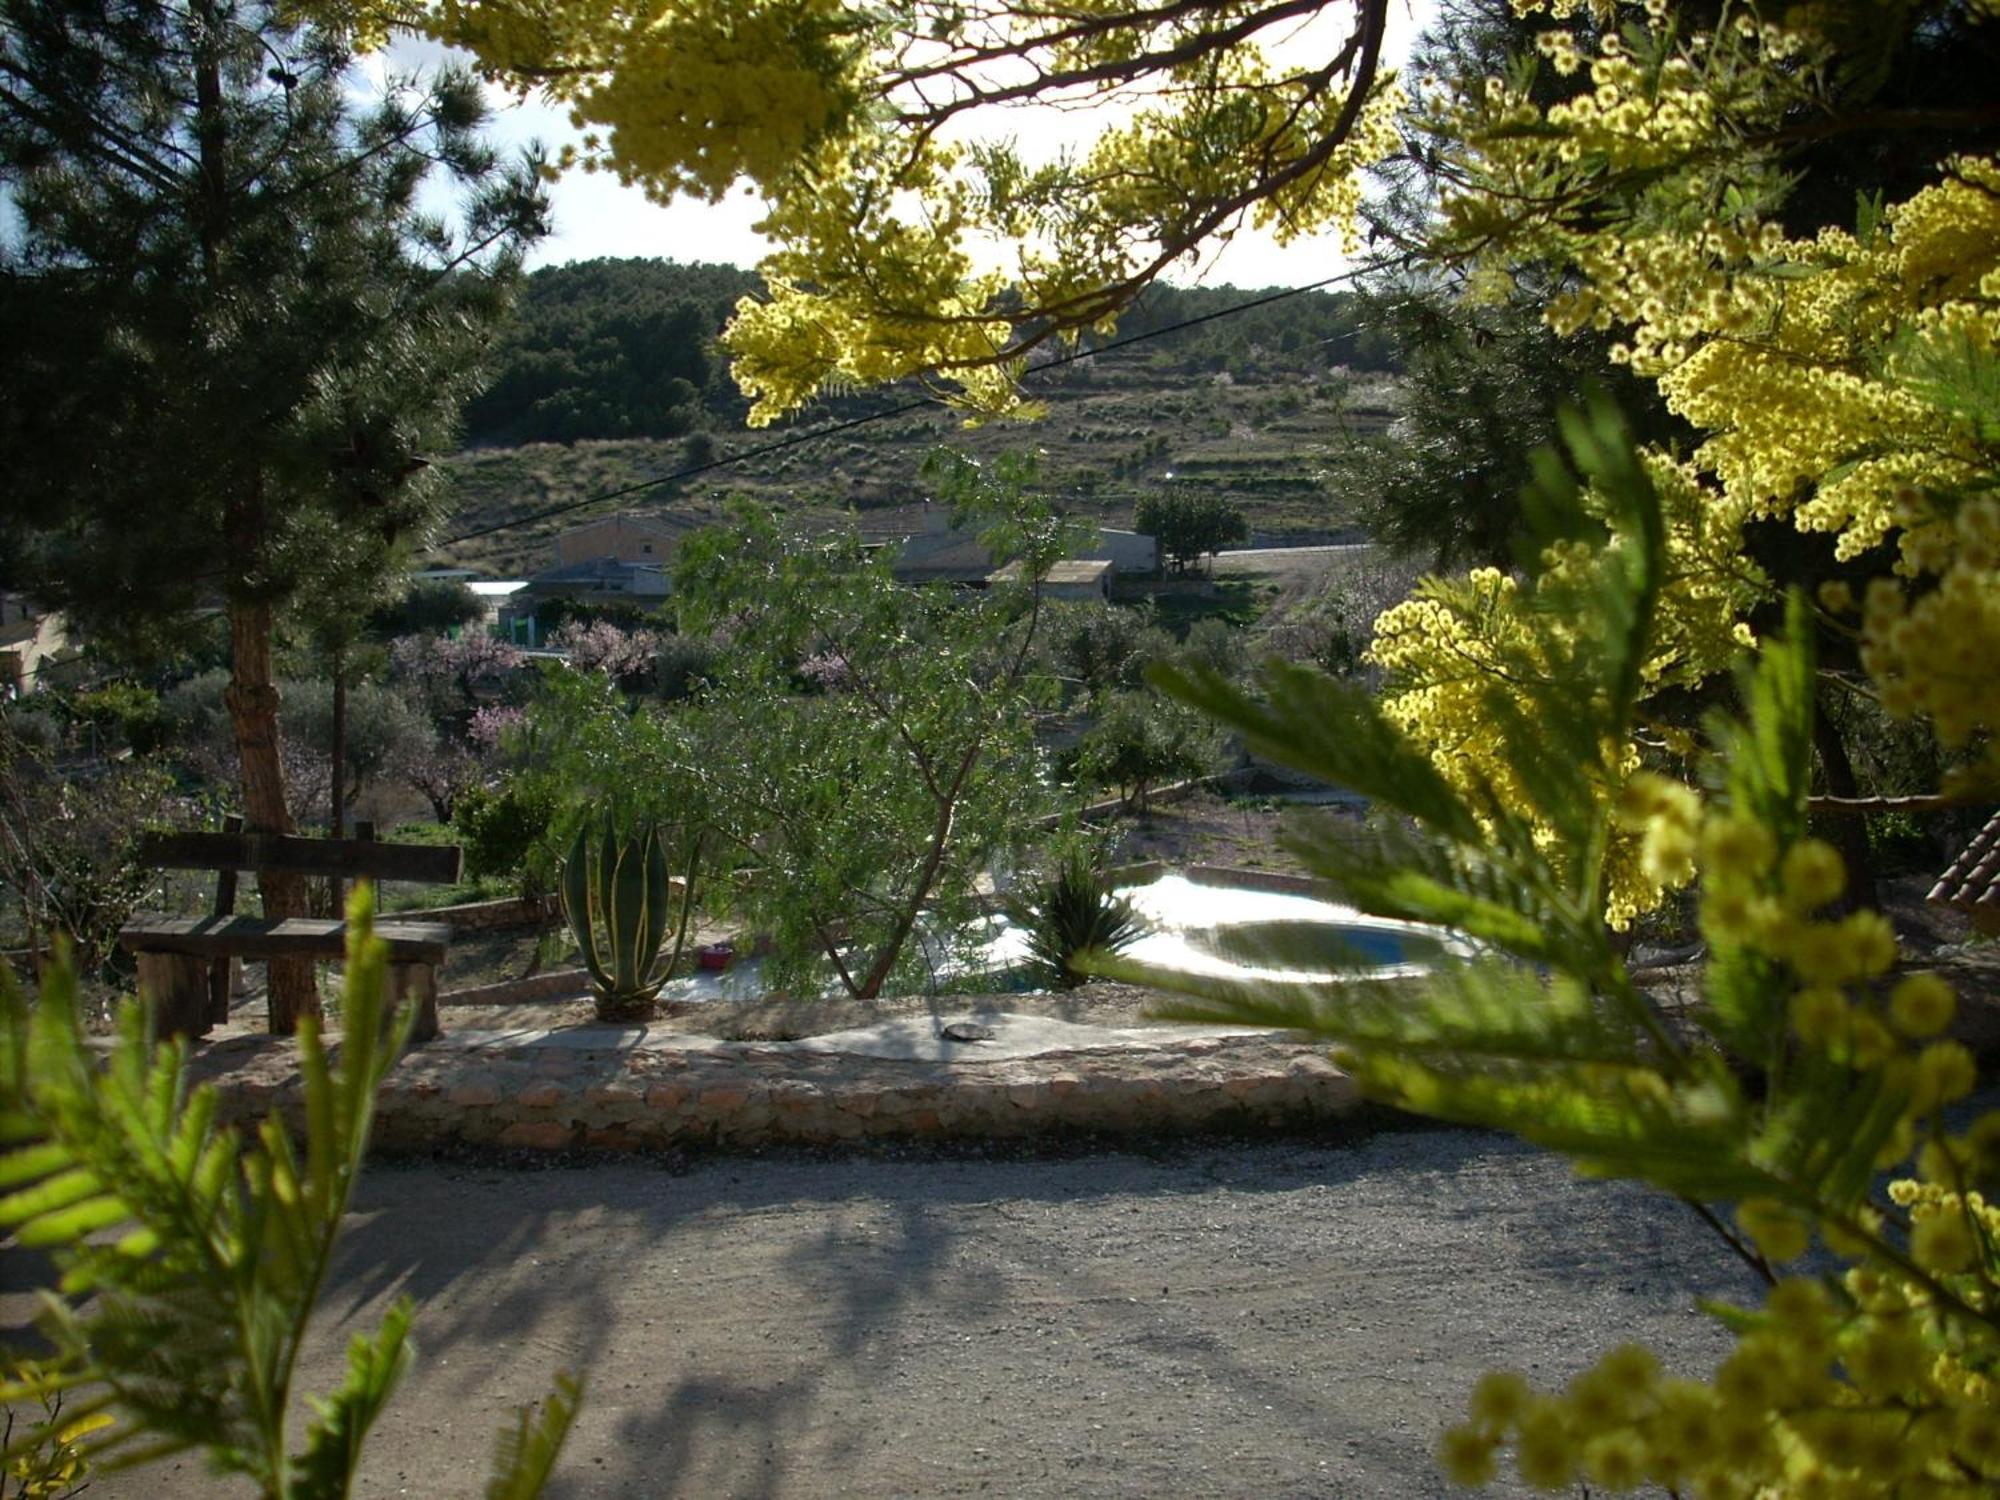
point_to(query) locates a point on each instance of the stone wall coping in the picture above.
(601, 1088)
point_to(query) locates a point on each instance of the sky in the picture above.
(595, 216)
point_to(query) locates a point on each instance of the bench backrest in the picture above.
(288, 854)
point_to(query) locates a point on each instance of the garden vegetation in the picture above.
(1631, 705)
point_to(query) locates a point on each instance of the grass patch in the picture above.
(408, 898)
(1239, 602)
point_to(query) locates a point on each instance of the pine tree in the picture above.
(235, 328)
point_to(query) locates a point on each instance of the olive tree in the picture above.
(870, 746)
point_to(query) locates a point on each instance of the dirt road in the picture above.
(1213, 1319)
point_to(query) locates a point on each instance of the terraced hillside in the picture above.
(1117, 427)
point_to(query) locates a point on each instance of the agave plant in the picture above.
(1071, 912)
(619, 900)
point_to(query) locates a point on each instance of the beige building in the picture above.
(929, 549)
(628, 537)
(29, 638)
(1076, 578)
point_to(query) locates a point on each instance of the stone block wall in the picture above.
(549, 1093)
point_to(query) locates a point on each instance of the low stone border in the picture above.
(1256, 880)
(600, 1089)
(557, 984)
(1232, 876)
(485, 916)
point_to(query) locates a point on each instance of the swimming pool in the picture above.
(1207, 926)
(1197, 924)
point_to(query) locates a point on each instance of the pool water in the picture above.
(1233, 933)
(1224, 931)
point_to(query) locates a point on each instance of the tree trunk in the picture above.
(338, 750)
(252, 697)
(338, 754)
(1849, 835)
(927, 874)
(253, 713)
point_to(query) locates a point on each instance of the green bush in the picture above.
(1899, 843)
(127, 711)
(682, 664)
(1142, 740)
(502, 830)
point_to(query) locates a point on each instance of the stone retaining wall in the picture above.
(1228, 876)
(1255, 880)
(580, 1090)
(484, 916)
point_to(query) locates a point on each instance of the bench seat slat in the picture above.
(289, 854)
(291, 937)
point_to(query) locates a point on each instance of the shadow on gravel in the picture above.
(780, 1325)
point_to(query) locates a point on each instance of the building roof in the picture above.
(601, 572)
(1972, 884)
(496, 588)
(890, 523)
(662, 523)
(1068, 571)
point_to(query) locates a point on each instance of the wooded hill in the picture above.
(609, 376)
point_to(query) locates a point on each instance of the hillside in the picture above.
(1251, 406)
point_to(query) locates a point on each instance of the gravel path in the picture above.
(1205, 1319)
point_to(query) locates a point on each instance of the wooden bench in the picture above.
(186, 963)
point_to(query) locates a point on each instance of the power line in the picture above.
(1057, 362)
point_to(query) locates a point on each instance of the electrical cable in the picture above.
(851, 423)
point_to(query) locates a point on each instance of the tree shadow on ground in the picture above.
(782, 1325)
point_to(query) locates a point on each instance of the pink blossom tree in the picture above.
(625, 656)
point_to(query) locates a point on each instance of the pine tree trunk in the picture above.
(252, 697)
(1849, 834)
(337, 818)
(338, 813)
(253, 713)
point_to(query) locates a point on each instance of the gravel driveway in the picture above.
(1297, 1317)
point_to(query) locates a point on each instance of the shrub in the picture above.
(127, 711)
(502, 830)
(1141, 740)
(1069, 913)
(430, 606)
(681, 664)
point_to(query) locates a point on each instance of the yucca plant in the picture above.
(619, 900)
(1069, 912)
